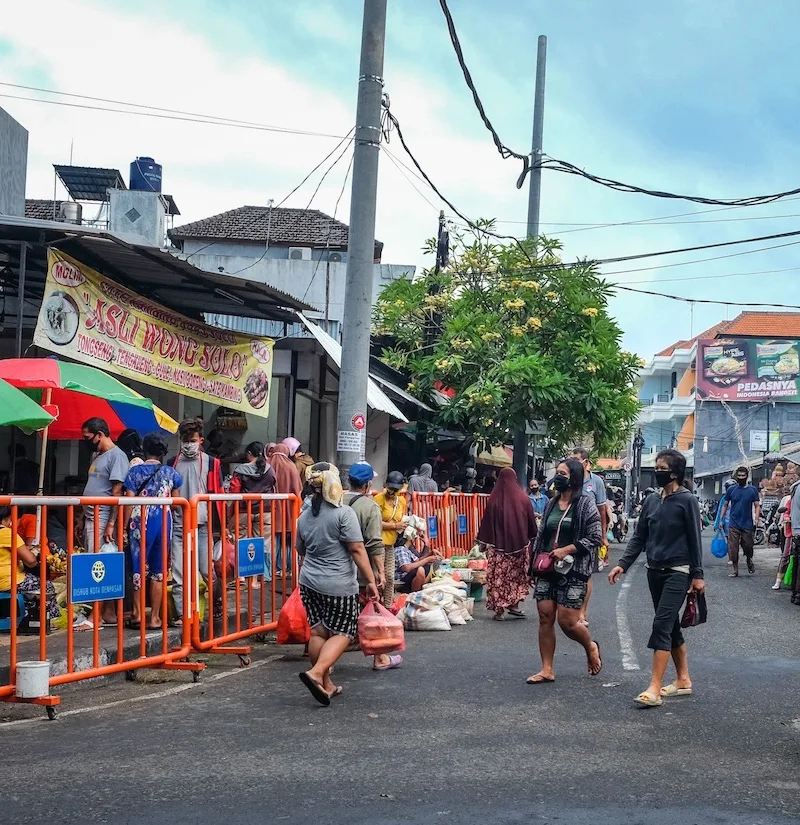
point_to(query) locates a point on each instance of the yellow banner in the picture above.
(91, 319)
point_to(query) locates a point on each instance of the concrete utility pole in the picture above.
(354, 375)
(534, 200)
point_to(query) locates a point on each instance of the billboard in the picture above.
(748, 369)
(91, 319)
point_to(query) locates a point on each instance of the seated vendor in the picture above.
(27, 581)
(411, 569)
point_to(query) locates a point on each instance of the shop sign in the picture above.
(251, 557)
(462, 525)
(760, 443)
(96, 577)
(748, 369)
(91, 319)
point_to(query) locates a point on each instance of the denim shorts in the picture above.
(568, 593)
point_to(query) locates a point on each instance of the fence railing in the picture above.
(452, 519)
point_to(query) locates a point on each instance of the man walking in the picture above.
(744, 504)
(107, 473)
(795, 518)
(594, 487)
(201, 474)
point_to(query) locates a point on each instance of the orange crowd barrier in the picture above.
(254, 567)
(96, 582)
(452, 519)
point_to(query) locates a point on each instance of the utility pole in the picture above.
(354, 375)
(534, 201)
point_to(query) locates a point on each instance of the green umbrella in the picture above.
(19, 410)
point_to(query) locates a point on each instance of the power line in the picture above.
(399, 167)
(568, 168)
(704, 277)
(504, 151)
(704, 300)
(209, 120)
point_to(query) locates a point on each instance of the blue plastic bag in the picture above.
(719, 547)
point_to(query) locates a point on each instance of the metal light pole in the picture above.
(354, 375)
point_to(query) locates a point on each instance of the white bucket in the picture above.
(33, 680)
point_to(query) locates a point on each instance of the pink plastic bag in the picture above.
(379, 631)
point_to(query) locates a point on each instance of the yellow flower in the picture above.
(536, 323)
(487, 398)
(517, 331)
(591, 368)
(489, 422)
(551, 295)
(590, 311)
(443, 364)
(491, 336)
(531, 284)
(516, 303)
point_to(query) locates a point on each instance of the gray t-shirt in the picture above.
(595, 487)
(194, 472)
(107, 469)
(328, 566)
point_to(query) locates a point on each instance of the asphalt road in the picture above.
(454, 736)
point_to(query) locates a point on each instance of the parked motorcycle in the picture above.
(620, 527)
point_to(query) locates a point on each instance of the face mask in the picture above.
(191, 449)
(663, 477)
(742, 481)
(534, 490)
(560, 483)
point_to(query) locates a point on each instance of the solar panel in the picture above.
(86, 183)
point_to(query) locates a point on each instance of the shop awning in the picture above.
(147, 270)
(376, 397)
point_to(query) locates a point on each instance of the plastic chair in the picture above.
(5, 624)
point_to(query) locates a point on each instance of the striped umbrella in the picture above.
(17, 409)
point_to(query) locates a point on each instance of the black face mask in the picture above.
(560, 483)
(741, 482)
(663, 477)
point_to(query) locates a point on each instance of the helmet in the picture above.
(729, 483)
(395, 480)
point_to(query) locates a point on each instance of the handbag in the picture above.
(695, 612)
(544, 564)
(293, 627)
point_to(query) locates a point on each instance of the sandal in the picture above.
(394, 661)
(336, 692)
(674, 690)
(538, 679)
(517, 614)
(315, 689)
(600, 660)
(647, 700)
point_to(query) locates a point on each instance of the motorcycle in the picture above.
(620, 527)
(765, 524)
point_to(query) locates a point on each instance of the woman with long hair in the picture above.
(130, 442)
(329, 540)
(287, 481)
(668, 531)
(571, 535)
(507, 529)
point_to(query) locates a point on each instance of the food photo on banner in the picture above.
(748, 369)
(92, 319)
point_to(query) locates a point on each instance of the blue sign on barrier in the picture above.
(433, 527)
(96, 577)
(251, 557)
(462, 525)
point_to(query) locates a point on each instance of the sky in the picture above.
(688, 96)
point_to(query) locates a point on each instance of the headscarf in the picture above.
(422, 482)
(292, 443)
(286, 475)
(469, 484)
(325, 477)
(509, 522)
(269, 450)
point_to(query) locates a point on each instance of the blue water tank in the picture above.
(146, 175)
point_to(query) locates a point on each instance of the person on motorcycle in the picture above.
(743, 502)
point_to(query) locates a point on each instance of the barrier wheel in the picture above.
(244, 661)
(130, 676)
(51, 712)
(195, 676)
(261, 638)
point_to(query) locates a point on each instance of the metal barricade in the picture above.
(95, 581)
(452, 519)
(239, 539)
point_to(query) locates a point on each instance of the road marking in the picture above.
(161, 694)
(629, 660)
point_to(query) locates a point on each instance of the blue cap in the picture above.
(361, 472)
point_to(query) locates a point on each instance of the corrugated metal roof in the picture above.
(376, 397)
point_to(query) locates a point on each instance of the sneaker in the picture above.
(776, 586)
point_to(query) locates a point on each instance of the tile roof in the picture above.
(286, 227)
(764, 324)
(41, 210)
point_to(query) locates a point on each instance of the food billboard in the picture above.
(92, 319)
(748, 369)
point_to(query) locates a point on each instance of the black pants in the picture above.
(796, 568)
(668, 589)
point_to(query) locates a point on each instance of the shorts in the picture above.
(337, 614)
(407, 579)
(568, 593)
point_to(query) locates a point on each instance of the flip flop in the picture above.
(517, 614)
(599, 670)
(647, 700)
(674, 690)
(394, 661)
(542, 680)
(315, 689)
(337, 691)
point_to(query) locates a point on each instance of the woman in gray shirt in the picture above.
(330, 542)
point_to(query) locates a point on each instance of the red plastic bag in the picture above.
(398, 604)
(293, 627)
(224, 552)
(379, 631)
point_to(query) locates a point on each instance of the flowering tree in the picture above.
(517, 336)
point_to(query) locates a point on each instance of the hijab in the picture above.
(325, 478)
(292, 443)
(509, 522)
(286, 476)
(422, 482)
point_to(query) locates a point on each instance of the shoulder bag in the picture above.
(544, 563)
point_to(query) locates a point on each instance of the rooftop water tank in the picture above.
(146, 175)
